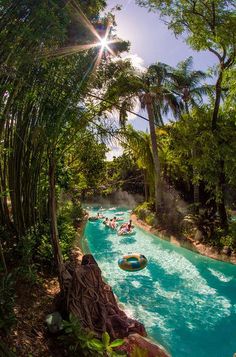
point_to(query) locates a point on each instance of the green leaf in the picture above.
(117, 343)
(71, 316)
(68, 330)
(118, 354)
(105, 339)
(95, 344)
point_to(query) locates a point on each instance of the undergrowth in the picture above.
(145, 212)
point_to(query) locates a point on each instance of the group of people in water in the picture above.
(124, 228)
(112, 223)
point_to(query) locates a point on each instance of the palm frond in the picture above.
(187, 84)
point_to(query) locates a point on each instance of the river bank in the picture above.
(134, 342)
(187, 243)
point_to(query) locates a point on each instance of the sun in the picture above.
(102, 39)
(104, 43)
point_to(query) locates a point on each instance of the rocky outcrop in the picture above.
(145, 346)
(92, 301)
(122, 325)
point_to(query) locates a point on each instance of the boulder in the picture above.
(198, 237)
(226, 250)
(145, 346)
(54, 322)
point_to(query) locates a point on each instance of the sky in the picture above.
(151, 41)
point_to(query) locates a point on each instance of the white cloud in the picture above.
(136, 60)
(114, 115)
(114, 151)
(135, 109)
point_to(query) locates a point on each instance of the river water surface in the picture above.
(186, 301)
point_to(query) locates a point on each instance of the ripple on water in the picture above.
(196, 306)
(220, 276)
(136, 284)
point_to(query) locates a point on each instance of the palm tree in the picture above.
(151, 89)
(138, 144)
(187, 85)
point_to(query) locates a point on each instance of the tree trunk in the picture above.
(221, 178)
(146, 195)
(196, 194)
(158, 186)
(217, 101)
(93, 302)
(4, 204)
(3, 258)
(221, 203)
(53, 219)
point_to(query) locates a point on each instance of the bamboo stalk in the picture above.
(3, 258)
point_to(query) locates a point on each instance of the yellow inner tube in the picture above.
(132, 262)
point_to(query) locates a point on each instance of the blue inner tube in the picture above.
(132, 262)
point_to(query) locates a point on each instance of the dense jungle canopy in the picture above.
(65, 96)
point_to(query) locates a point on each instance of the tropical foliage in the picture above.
(60, 96)
(85, 342)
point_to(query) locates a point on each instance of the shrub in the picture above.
(71, 211)
(8, 242)
(28, 273)
(150, 219)
(36, 247)
(4, 351)
(227, 241)
(67, 235)
(44, 249)
(219, 239)
(84, 341)
(27, 268)
(145, 212)
(205, 222)
(7, 301)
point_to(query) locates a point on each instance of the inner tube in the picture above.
(93, 219)
(132, 262)
(125, 233)
(112, 228)
(96, 218)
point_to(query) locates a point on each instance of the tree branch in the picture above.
(215, 53)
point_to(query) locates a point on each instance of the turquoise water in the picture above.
(187, 302)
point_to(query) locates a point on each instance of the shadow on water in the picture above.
(128, 240)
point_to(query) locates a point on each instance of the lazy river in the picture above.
(187, 302)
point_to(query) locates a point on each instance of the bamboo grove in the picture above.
(45, 103)
(39, 111)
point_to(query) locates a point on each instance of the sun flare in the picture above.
(104, 43)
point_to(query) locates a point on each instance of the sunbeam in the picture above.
(102, 42)
(76, 8)
(70, 50)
